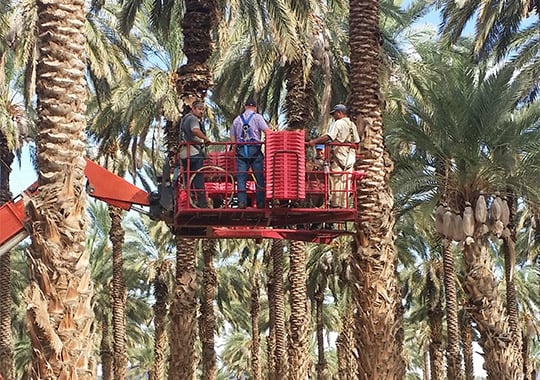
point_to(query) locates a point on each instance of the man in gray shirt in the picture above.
(192, 139)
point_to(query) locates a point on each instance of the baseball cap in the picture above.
(251, 102)
(319, 146)
(339, 107)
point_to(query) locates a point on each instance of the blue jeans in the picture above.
(197, 189)
(255, 161)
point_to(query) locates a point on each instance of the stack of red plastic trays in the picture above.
(285, 165)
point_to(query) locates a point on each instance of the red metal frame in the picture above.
(292, 219)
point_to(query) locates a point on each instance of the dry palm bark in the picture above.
(453, 353)
(60, 319)
(6, 336)
(278, 301)
(467, 340)
(183, 315)
(207, 321)
(271, 337)
(255, 308)
(118, 294)
(106, 350)
(435, 317)
(502, 356)
(345, 348)
(379, 325)
(161, 294)
(321, 362)
(299, 322)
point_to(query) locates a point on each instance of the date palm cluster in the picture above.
(491, 215)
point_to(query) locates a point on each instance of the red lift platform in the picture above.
(296, 201)
(296, 206)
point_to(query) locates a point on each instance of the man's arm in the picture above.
(319, 140)
(197, 132)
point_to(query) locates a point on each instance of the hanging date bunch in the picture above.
(489, 214)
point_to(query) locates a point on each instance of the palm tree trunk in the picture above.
(280, 352)
(118, 294)
(207, 323)
(321, 364)
(6, 335)
(183, 313)
(60, 318)
(255, 339)
(379, 325)
(502, 357)
(299, 102)
(271, 338)
(467, 340)
(436, 350)
(299, 360)
(106, 350)
(161, 294)
(345, 347)
(453, 353)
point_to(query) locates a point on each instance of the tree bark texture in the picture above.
(161, 306)
(207, 322)
(502, 358)
(280, 352)
(183, 320)
(299, 322)
(118, 294)
(60, 317)
(379, 324)
(453, 353)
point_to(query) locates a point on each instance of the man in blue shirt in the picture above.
(246, 134)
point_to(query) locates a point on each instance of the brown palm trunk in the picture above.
(321, 363)
(299, 361)
(60, 318)
(467, 341)
(376, 294)
(280, 352)
(118, 294)
(6, 335)
(255, 339)
(207, 322)
(453, 353)
(435, 316)
(271, 338)
(345, 347)
(106, 350)
(161, 294)
(502, 356)
(183, 313)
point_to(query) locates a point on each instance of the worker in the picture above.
(192, 139)
(342, 155)
(246, 136)
(316, 169)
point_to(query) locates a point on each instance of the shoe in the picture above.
(242, 205)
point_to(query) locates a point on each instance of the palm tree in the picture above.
(60, 316)
(376, 293)
(207, 320)
(277, 310)
(477, 163)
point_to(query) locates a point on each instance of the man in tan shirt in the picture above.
(342, 157)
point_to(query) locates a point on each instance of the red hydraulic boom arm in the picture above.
(102, 184)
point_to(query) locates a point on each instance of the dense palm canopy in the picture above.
(453, 129)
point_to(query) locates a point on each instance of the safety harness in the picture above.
(247, 135)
